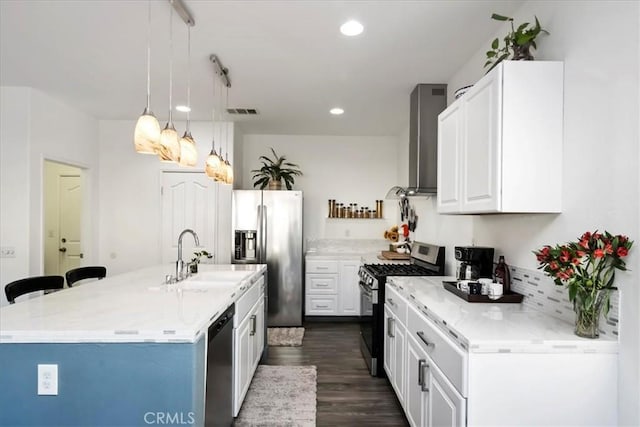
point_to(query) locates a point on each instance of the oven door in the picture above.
(369, 326)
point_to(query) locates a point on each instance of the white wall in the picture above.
(130, 220)
(598, 42)
(347, 169)
(43, 128)
(14, 183)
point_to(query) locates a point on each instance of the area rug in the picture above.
(280, 396)
(285, 337)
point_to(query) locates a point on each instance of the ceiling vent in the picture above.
(243, 111)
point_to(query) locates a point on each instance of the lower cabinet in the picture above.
(248, 341)
(331, 287)
(394, 352)
(446, 407)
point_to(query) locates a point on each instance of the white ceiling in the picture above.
(286, 58)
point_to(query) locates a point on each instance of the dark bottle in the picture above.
(502, 275)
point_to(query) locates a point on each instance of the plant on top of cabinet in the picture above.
(517, 43)
(274, 171)
(588, 268)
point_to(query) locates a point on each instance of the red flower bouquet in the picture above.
(587, 267)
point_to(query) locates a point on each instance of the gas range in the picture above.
(426, 260)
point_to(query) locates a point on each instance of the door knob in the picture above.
(64, 240)
(63, 249)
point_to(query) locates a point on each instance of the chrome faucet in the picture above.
(180, 262)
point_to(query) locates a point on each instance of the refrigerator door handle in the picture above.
(259, 236)
(263, 250)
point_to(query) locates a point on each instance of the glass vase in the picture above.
(588, 310)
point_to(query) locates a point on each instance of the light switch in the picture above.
(48, 380)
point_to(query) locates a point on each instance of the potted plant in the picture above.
(587, 267)
(193, 264)
(517, 43)
(274, 171)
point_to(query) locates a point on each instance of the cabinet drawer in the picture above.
(322, 305)
(396, 303)
(322, 283)
(321, 266)
(248, 300)
(449, 358)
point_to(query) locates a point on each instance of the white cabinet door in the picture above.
(481, 145)
(446, 406)
(242, 363)
(399, 360)
(389, 350)
(449, 152)
(348, 290)
(258, 333)
(415, 399)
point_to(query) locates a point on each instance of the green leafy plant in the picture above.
(276, 170)
(199, 254)
(517, 43)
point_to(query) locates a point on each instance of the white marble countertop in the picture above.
(366, 250)
(129, 307)
(495, 328)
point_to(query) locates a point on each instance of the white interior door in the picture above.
(70, 208)
(188, 201)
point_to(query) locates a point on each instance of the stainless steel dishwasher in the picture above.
(219, 389)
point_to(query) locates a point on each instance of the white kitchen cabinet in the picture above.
(248, 341)
(331, 287)
(348, 290)
(500, 144)
(446, 407)
(395, 317)
(415, 399)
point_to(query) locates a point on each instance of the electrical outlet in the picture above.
(48, 380)
(7, 252)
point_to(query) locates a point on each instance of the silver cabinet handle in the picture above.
(322, 268)
(390, 327)
(253, 324)
(424, 339)
(423, 369)
(321, 306)
(322, 285)
(390, 301)
(421, 363)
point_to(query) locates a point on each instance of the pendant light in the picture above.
(169, 150)
(188, 153)
(212, 165)
(146, 135)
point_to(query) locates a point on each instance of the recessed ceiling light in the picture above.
(336, 111)
(183, 108)
(351, 28)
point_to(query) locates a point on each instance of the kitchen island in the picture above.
(129, 349)
(458, 363)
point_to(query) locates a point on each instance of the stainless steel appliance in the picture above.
(267, 229)
(426, 260)
(475, 262)
(219, 391)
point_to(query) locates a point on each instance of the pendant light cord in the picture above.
(213, 117)
(188, 77)
(149, 56)
(226, 127)
(171, 66)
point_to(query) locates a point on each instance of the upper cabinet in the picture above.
(500, 144)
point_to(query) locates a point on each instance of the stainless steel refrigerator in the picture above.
(267, 229)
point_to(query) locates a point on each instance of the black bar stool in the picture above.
(32, 284)
(81, 273)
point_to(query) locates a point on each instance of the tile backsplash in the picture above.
(541, 293)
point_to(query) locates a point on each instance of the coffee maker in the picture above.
(474, 262)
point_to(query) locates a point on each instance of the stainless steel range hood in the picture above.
(427, 101)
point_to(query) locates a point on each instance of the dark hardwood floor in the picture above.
(347, 394)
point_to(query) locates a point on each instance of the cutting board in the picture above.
(395, 255)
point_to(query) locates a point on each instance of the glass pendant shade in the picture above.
(229, 172)
(169, 149)
(212, 165)
(188, 153)
(147, 133)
